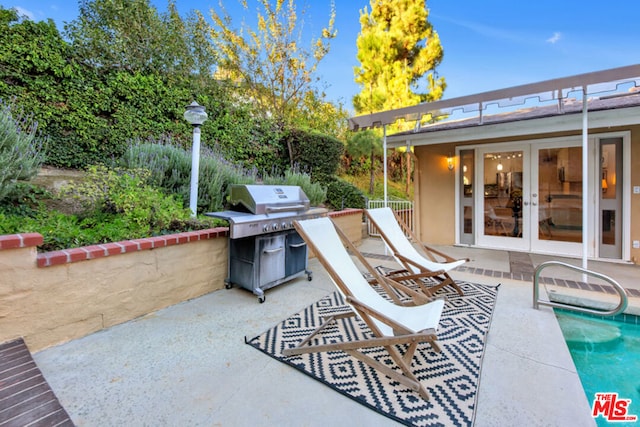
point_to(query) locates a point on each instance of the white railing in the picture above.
(403, 208)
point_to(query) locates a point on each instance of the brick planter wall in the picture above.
(57, 296)
(52, 297)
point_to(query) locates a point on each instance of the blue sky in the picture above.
(488, 45)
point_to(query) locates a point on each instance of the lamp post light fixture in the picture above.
(196, 115)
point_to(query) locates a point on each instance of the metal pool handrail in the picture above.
(536, 291)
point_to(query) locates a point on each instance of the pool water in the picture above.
(607, 357)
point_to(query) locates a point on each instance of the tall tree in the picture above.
(268, 63)
(132, 35)
(366, 143)
(326, 117)
(397, 47)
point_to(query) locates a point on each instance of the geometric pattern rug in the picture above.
(451, 377)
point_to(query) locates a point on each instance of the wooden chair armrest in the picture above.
(446, 257)
(365, 309)
(417, 298)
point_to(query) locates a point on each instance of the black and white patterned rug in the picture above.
(451, 377)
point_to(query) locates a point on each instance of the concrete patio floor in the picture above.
(187, 365)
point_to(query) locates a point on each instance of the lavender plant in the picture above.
(170, 167)
(20, 148)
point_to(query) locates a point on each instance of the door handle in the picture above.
(534, 204)
(526, 203)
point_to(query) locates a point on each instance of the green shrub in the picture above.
(126, 192)
(58, 230)
(245, 138)
(170, 168)
(313, 152)
(63, 231)
(12, 224)
(20, 154)
(118, 205)
(341, 194)
(24, 200)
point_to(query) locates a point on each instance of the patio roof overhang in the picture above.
(515, 124)
(557, 90)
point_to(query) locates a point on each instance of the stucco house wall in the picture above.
(434, 190)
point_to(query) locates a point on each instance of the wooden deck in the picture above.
(25, 396)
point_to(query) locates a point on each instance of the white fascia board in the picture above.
(559, 123)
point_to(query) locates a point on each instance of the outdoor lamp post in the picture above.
(195, 115)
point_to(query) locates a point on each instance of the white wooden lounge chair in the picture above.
(427, 263)
(391, 324)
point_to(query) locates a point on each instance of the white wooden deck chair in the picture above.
(391, 324)
(427, 263)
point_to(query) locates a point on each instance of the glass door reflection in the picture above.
(559, 195)
(467, 175)
(503, 193)
(610, 198)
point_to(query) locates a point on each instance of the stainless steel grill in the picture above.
(264, 248)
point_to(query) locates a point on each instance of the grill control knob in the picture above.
(283, 225)
(275, 226)
(265, 228)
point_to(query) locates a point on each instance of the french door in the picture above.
(556, 198)
(528, 196)
(531, 198)
(503, 173)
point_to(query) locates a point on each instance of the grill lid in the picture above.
(264, 199)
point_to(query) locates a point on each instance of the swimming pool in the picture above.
(606, 353)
